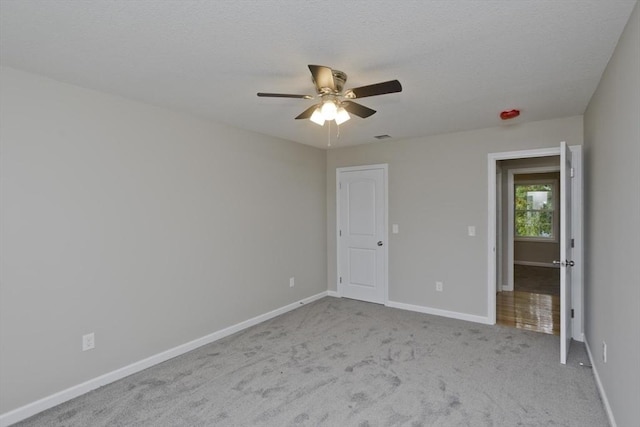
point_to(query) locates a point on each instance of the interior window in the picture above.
(535, 211)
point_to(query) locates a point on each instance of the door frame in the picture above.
(577, 295)
(385, 232)
(508, 286)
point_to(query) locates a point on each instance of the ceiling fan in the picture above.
(336, 104)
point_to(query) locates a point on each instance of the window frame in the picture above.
(555, 218)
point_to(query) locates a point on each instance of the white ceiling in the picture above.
(460, 62)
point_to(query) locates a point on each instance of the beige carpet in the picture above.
(339, 362)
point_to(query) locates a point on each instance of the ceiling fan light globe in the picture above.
(329, 110)
(342, 116)
(317, 117)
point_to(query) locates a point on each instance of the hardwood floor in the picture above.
(531, 311)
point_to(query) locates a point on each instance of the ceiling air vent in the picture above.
(382, 136)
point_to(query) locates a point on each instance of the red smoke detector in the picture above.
(511, 114)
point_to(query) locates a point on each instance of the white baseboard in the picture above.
(603, 395)
(537, 264)
(439, 312)
(33, 408)
(429, 310)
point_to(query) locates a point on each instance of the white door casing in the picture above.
(575, 328)
(362, 233)
(566, 259)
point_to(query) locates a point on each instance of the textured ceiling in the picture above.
(460, 61)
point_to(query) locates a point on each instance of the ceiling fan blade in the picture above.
(283, 95)
(357, 109)
(307, 113)
(323, 77)
(392, 86)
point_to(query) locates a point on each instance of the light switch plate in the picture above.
(472, 230)
(394, 228)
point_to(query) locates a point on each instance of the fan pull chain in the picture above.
(329, 135)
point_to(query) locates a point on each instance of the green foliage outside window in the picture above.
(534, 206)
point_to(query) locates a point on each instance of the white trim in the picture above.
(430, 310)
(603, 395)
(492, 158)
(536, 264)
(386, 232)
(333, 294)
(439, 312)
(508, 286)
(385, 224)
(525, 154)
(491, 239)
(577, 253)
(40, 405)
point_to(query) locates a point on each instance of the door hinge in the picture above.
(572, 172)
(341, 280)
(572, 313)
(573, 243)
(340, 186)
(340, 233)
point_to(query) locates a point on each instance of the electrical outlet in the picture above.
(439, 286)
(604, 352)
(292, 282)
(88, 341)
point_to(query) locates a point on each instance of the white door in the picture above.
(362, 233)
(565, 260)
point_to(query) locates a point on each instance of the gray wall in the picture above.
(145, 226)
(612, 286)
(438, 187)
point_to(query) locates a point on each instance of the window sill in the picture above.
(536, 239)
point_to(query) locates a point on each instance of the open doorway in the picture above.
(571, 247)
(529, 286)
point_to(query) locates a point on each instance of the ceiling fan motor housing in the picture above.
(339, 79)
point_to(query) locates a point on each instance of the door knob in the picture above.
(380, 243)
(566, 263)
